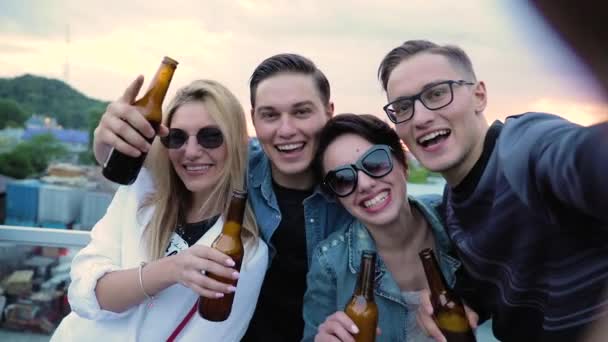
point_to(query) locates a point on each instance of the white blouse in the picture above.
(116, 244)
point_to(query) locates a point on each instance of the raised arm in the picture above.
(119, 126)
(548, 159)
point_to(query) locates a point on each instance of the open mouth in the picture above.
(434, 138)
(290, 148)
(377, 201)
(198, 168)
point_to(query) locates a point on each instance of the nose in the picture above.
(365, 183)
(192, 148)
(422, 115)
(286, 127)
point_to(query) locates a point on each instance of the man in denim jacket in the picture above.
(290, 100)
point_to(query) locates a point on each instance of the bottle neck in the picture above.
(365, 284)
(234, 218)
(152, 101)
(437, 283)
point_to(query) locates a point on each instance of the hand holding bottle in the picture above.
(190, 268)
(120, 125)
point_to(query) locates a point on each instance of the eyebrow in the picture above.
(295, 105)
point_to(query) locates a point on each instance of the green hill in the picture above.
(39, 95)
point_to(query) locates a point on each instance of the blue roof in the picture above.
(70, 136)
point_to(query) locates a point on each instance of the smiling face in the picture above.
(199, 168)
(288, 116)
(448, 140)
(375, 201)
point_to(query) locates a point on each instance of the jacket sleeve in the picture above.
(102, 255)
(320, 297)
(555, 164)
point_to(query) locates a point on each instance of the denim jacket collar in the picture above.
(260, 176)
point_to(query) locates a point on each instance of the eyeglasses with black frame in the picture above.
(437, 96)
(209, 137)
(376, 162)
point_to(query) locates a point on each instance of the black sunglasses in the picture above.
(208, 137)
(376, 162)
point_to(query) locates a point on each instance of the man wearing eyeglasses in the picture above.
(525, 200)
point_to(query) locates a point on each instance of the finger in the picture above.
(472, 316)
(215, 285)
(336, 329)
(428, 325)
(323, 337)
(127, 134)
(425, 302)
(378, 331)
(345, 321)
(163, 130)
(132, 90)
(209, 253)
(105, 137)
(205, 292)
(215, 268)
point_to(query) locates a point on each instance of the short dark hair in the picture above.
(410, 48)
(288, 62)
(367, 126)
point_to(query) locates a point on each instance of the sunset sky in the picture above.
(524, 65)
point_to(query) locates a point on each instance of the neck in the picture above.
(196, 212)
(458, 172)
(407, 231)
(296, 181)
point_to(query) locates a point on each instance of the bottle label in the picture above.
(105, 163)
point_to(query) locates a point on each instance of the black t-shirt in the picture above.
(278, 315)
(189, 233)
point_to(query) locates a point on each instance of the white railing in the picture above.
(48, 237)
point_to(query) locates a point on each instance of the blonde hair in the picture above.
(171, 197)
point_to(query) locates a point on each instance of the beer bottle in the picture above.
(448, 310)
(228, 242)
(121, 168)
(362, 308)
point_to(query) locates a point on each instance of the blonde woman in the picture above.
(145, 266)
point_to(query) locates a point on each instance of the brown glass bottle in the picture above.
(121, 168)
(448, 310)
(362, 308)
(228, 242)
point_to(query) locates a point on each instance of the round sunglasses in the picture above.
(376, 162)
(208, 137)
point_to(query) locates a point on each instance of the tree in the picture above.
(11, 114)
(32, 157)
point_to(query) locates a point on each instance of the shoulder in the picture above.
(432, 203)
(259, 164)
(530, 127)
(256, 153)
(334, 247)
(430, 200)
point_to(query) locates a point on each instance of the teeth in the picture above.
(289, 147)
(376, 200)
(197, 167)
(433, 135)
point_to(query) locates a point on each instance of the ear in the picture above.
(330, 110)
(481, 97)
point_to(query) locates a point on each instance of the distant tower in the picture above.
(66, 65)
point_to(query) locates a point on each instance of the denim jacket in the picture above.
(322, 215)
(335, 267)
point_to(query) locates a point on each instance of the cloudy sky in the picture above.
(524, 65)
